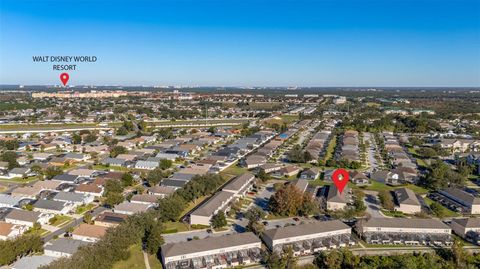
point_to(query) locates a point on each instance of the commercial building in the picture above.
(398, 231)
(213, 252)
(305, 239)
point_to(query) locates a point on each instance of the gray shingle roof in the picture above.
(69, 197)
(49, 204)
(237, 183)
(406, 196)
(468, 222)
(405, 223)
(214, 203)
(65, 245)
(211, 243)
(305, 229)
(23, 215)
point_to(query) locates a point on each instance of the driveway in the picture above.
(373, 205)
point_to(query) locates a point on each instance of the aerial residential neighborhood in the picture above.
(237, 185)
(259, 134)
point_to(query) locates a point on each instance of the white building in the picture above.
(467, 228)
(218, 202)
(405, 231)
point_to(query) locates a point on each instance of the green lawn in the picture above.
(136, 261)
(19, 180)
(84, 208)
(447, 212)
(395, 214)
(61, 220)
(331, 148)
(175, 227)
(235, 170)
(39, 232)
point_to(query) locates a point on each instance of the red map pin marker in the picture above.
(340, 177)
(64, 78)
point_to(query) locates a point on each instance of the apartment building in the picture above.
(213, 252)
(309, 238)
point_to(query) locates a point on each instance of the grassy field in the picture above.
(447, 212)
(84, 208)
(235, 170)
(115, 168)
(136, 261)
(331, 148)
(175, 227)
(19, 180)
(61, 220)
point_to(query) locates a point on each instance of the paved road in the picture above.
(372, 162)
(372, 204)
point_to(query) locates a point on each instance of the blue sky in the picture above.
(245, 42)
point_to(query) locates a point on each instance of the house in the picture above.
(10, 231)
(467, 228)
(147, 165)
(145, 199)
(77, 157)
(90, 189)
(76, 199)
(47, 185)
(27, 218)
(335, 200)
(300, 184)
(310, 174)
(387, 177)
(9, 201)
(254, 161)
(309, 238)
(161, 191)
(241, 249)
(129, 208)
(127, 157)
(52, 207)
(110, 219)
(89, 233)
(66, 178)
(182, 176)
(359, 178)
(167, 156)
(26, 192)
(63, 247)
(406, 201)
(19, 172)
(114, 162)
(82, 172)
(41, 156)
(287, 171)
(32, 262)
(175, 184)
